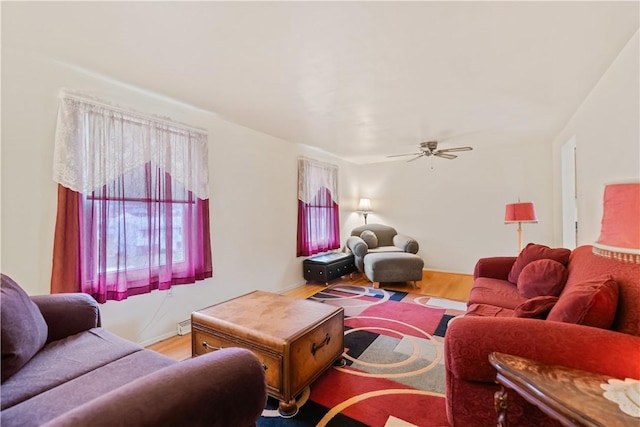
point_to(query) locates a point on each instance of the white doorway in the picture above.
(569, 195)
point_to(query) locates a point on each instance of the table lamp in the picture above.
(620, 230)
(620, 240)
(520, 212)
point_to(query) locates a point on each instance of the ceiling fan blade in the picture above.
(455, 149)
(415, 158)
(402, 155)
(445, 155)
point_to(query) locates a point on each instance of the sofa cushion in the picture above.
(534, 252)
(536, 307)
(495, 292)
(487, 310)
(24, 330)
(542, 277)
(78, 390)
(584, 264)
(592, 302)
(62, 361)
(383, 249)
(369, 238)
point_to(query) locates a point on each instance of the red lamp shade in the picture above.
(520, 212)
(620, 231)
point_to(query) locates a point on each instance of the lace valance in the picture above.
(96, 143)
(314, 175)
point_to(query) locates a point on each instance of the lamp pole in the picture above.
(519, 237)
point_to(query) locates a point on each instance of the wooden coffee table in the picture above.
(570, 396)
(295, 339)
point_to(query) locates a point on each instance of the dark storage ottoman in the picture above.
(326, 267)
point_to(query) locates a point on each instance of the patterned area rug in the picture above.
(394, 372)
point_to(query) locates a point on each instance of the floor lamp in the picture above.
(518, 213)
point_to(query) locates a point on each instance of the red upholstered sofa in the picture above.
(490, 325)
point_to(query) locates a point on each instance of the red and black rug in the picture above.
(394, 372)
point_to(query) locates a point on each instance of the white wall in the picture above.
(253, 181)
(607, 135)
(456, 210)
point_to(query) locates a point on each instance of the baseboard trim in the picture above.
(292, 287)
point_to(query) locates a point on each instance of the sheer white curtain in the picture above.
(318, 220)
(133, 211)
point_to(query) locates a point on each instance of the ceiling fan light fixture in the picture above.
(430, 148)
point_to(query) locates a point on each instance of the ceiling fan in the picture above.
(430, 148)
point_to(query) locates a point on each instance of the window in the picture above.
(318, 219)
(133, 211)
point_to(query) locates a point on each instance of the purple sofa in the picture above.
(59, 368)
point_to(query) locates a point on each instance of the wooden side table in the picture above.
(570, 396)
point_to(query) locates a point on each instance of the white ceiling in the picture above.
(361, 80)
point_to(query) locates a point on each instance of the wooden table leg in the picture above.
(288, 409)
(500, 403)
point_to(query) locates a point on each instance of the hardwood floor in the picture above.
(435, 284)
(177, 347)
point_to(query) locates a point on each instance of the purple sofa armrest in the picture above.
(67, 314)
(219, 389)
(494, 267)
(469, 340)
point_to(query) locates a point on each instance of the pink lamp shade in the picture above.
(520, 212)
(620, 230)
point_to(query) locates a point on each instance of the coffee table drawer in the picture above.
(314, 351)
(206, 343)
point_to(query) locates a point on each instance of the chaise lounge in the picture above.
(59, 368)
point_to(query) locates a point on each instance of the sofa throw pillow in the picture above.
(369, 238)
(542, 277)
(24, 330)
(591, 303)
(534, 251)
(536, 307)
